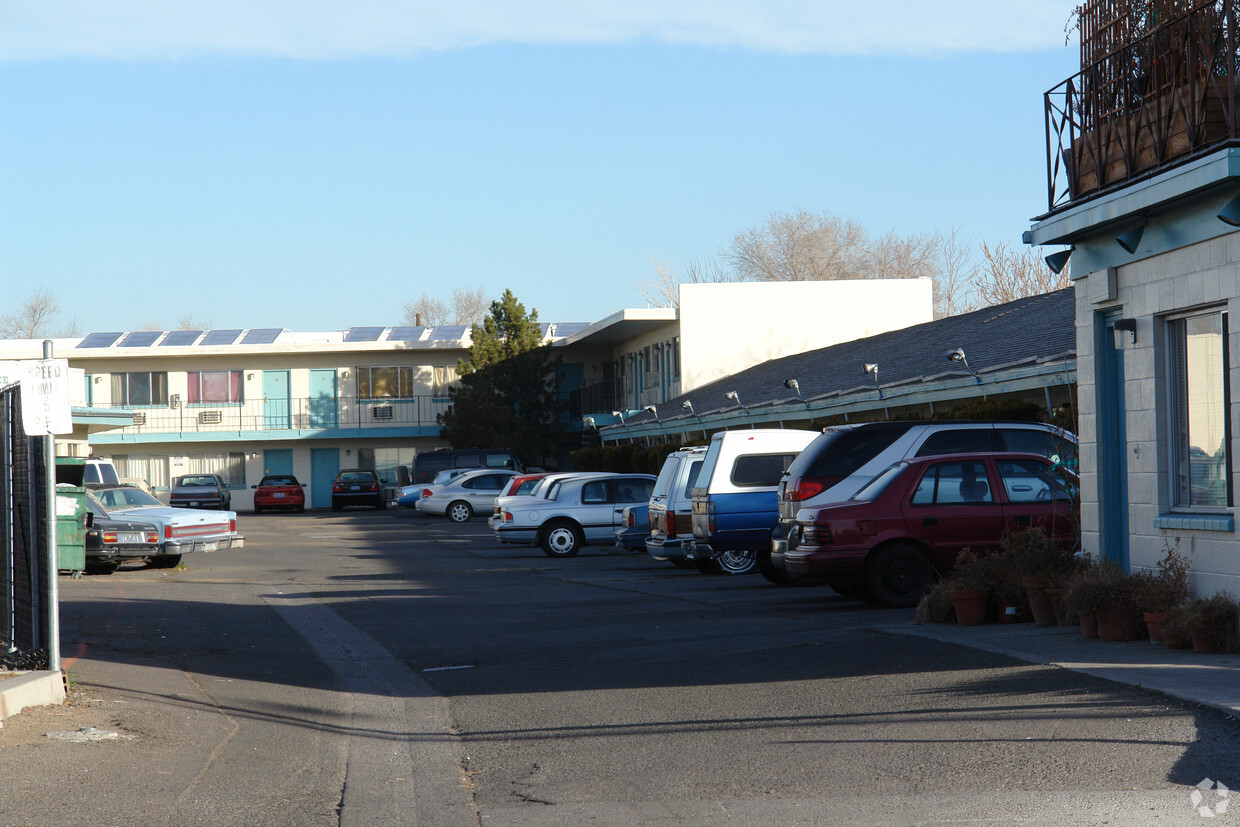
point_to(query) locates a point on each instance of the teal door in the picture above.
(324, 463)
(278, 461)
(275, 399)
(1112, 443)
(322, 399)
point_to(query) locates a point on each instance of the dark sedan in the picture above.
(912, 520)
(200, 491)
(357, 486)
(110, 542)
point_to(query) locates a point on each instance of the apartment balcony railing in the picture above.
(305, 414)
(1160, 100)
(296, 414)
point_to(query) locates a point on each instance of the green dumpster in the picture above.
(70, 514)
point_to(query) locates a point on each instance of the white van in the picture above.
(100, 472)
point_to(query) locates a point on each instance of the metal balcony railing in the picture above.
(1164, 98)
(306, 413)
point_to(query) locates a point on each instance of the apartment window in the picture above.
(139, 389)
(153, 469)
(229, 466)
(385, 383)
(1201, 465)
(214, 387)
(443, 377)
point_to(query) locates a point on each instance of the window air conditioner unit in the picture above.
(210, 417)
(381, 412)
(139, 418)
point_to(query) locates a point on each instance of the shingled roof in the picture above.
(995, 340)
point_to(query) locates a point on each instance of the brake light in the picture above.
(507, 516)
(710, 517)
(426, 492)
(669, 520)
(629, 520)
(374, 486)
(232, 526)
(109, 536)
(335, 487)
(802, 488)
(168, 532)
(816, 535)
(152, 536)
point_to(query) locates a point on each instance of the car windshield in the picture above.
(118, 499)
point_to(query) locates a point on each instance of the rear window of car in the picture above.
(1036, 441)
(278, 481)
(840, 453)
(357, 476)
(504, 460)
(957, 441)
(751, 470)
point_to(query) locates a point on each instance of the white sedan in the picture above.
(181, 530)
(470, 493)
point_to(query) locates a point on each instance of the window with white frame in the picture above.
(1199, 393)
(153, 469)
(143, 388)
(229, 466)
(394, 382)
(214, 387)
(442, 378)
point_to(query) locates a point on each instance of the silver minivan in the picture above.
(671, 506)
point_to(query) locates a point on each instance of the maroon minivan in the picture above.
(911, 521)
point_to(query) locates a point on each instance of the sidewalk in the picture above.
(1208, 679)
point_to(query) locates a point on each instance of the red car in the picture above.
(279, 491)
(911, 521)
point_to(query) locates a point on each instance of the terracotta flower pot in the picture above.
(1116, 623)
(1055, 596)
(1039, 601)
(970, 606)
(1204, 644)
(1089, 624)
(1153, 623)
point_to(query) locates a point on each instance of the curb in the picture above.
(42, 688)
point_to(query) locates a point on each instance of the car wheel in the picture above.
(898, 575)
(165, 561)
(562, 539)
(336, 506)
(460, 512)
(736, 562)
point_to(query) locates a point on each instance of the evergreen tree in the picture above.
(506, 397)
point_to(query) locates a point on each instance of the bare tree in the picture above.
(1006, 274)
(469, 306)
(953, 284)
(32, 318)
(663, 288)
(800, 246)
(188, 322)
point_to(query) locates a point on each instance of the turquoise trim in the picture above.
(265, 436)
(1196, 522)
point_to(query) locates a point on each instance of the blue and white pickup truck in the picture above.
(735, 505)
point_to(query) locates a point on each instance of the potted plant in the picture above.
(1162, 589)
(1104, 594)
(1210, 622)
(968, 587)
(1043, 566)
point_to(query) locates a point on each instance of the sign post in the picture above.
(46, 412)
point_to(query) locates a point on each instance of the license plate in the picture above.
(355, 488)
(130, 537)
(193, 505)
(279, 495)
(210, 546)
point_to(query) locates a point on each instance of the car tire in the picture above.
(898, 575)
(165, 561)
(336, 506)
(562, 538)
(744, 561)
(459, 512)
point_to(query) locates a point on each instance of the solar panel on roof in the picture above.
(99, 340)
(262, 335)
(141, 338)
(180, 338)
(448, 332)
(219, 337)
(363, 334)
(405, 334)
(569, 328)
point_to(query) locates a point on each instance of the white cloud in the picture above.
(315, 29)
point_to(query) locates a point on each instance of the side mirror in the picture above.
(254, 486)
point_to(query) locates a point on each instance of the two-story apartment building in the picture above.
(247, 402)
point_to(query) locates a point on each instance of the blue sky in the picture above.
(227, 163)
